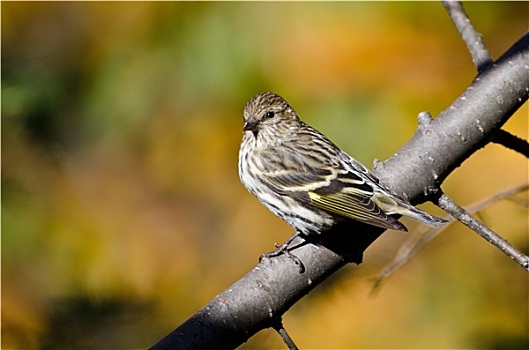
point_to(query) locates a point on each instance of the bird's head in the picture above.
(268, 111)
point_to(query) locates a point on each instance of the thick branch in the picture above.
(438, 147)
(253, 302)
(442, 144)
(474, 41)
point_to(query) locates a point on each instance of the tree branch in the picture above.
(284, 335)
(437, 148)
(442, 144)
(474, 41)
(511, 141)
(492, 237)
(416, 241)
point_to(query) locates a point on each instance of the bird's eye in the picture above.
(270, 114)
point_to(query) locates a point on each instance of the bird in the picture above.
(309, 182)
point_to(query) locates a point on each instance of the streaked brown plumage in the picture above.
(306, 180)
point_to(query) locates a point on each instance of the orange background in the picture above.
(122, 211)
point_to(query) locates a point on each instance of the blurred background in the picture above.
(122, 210)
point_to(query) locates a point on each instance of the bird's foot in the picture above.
(283, 249)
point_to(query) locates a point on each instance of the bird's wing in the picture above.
(326, 184)
(352, 199)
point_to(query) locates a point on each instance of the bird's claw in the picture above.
(283, 249)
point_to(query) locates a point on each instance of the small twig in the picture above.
(278, 326)
(462, 215)
(475, 44)
(511, 141)
(417, 240)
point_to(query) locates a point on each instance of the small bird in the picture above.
(306, 180)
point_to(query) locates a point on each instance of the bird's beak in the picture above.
(251, 124)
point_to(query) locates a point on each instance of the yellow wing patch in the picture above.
(354, 207)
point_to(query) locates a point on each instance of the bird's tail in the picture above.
(390, 205)
(422, 216)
